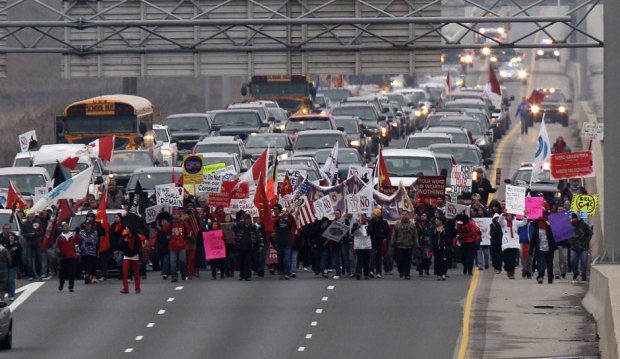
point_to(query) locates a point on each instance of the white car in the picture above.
(405, 165)
(169, 150)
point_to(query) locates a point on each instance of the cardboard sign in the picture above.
(25, 139)
(192, 169)
(246, 205)
(360, 203)
(585, 203)
(593, 131)
(215, 247)
(152, 212)
(323, 207)
(363, 173)
(211, 184)
(336, 231)
(572, 165)
(170, 196)
(461, 178)
(453, 209)
(431, 187)
(534, 207)
(515, 200)
(560, 226)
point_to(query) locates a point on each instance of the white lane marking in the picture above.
(331, 287)
(324, 299)
(161, 311)
(128, 350)
(171, 299)
(27, 290)
(319, 311)
(301, 349)
(308, 336)
(179, 288)
(139, 337)
(150, 325)
(314, 324)
(336, 277)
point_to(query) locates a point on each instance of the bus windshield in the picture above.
(279, 89)
(101, 124)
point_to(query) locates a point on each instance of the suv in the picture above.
(554, 106)
(308, 142)
(405, 165)
(124, 162)
(371, 118)
(542, 186)
(262, 107)
(187, 129)
(227, 144)
(355, 134)
(425, 139)
(482, 136)
(27, 179)
(297, 123)
(238, 122)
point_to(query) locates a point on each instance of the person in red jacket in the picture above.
(468, 235)
(65, 245)
(178, 231)
(131, 244)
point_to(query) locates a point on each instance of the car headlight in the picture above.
(501, 30)
(166, 152)
(503, 74)
(283, 156)
(522, 74)
(424, 110)
(481, 142)
(395, 124)
(355, 143)
(562, 109)
(535, 109)
(467, 59)
(383, 130)
(540, 52)
(418, 113)
(486, 51)
(556, 53)
(282, 127)
(493, 59)
(111, 175)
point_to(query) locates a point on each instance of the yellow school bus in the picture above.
(292, 93)
(125, 116)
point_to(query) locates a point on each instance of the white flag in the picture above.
(543, 151)
(73, 188)
(331, 166)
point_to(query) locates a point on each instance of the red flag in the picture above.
(70, 162)
(384, 177)
(287, 187)
(253, 173)
(262, 203)
(15, 196)
(536, 98)
(448, 82)
(494, 82)
(102, 217)
(339, 82)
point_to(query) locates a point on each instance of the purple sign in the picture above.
(561, 227)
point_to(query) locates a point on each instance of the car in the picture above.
(483, 137)
(502, 55)
(425, 139)
(372, 99)
(298, 123)
(371, 118)
(238, 122)
(467, 103)
(256, 144)
(24, 159)
(308, 142)
(407, 105)
(554, 107)
(226, 144)
(422, 105)
(336, 95)
(459, 135)
(169, 149)
(513, 71)
(468, 155)
(357, 136)
(277, 117)
(542, 186)
(26, 179)
(124, 162)
(346, 158)
(405, 165)
(300, 160)
(547, 53)
(323, 103)
(6, 326)
(150, 177)
(305, 169)
(262, 107)
(49, 155)
(188, 129)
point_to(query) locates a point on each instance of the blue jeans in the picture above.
(575, 257)
(165, 263)
(334, 254)
(11, 283)
(284, 260)
(294, 253)
(33, 252)
(482, 258)
(177, 261)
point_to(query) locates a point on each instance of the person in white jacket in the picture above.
(510, 241)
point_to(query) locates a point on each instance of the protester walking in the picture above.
(579, 247)
(131, 244)
(523, 111)
(510, 241)
(66, 244)
(542, 247)
(404, 241)
(441, 241)
(496, 233)
(362, 245)
(15, 250)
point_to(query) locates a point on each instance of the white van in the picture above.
(24, 159)
(405, 165)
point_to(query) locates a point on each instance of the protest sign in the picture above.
(212, 168)
(152, 212)
(585, 202)
(461, 178)
(215, 247)
(244, 204)
(560, 226)
(167, 195)
(593, 131)
(453, 209)
(323, 207)
(227, 173)
(272, 255)
(336, 231)
(25, 139)
(292, 175)
(515, 200)
(534, 207)
(572, 165)
(39, 192)
(353, 204)
(211, 183)
(431, 187)
(483, 224)
(4, 194)
(192, 169)
(363, 173)
(229, 232)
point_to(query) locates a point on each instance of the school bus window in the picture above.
(94, 124)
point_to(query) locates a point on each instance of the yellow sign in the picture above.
(100, 109)
(585, 202)
(192, 169)
(212, 168)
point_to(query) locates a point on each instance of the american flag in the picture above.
(305, 214)
(302, 190)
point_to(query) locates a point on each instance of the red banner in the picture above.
(431, 187)
(572, 165)
(223, 198)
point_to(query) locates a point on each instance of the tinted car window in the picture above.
(318, 141)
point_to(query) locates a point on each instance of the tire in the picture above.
(7, 342)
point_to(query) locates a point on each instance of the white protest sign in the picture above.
(211, 184)
(353, 204)
(323, 207)
(453, 209)
(593, 131)
(363, 173)
(461, 178)
(292, 175)
(39, 192)
(227, 173)
(245, 204)
(366, 199)
(483, 224)
(515, 200)
(336, 231)
(168, 195)
(152, 212)
(286, 201)
(25, 139)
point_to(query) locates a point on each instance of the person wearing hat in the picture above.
(379, 231)
(542, 246)
(66, 243)
(496, 233)
(579, 246)
(115, 197)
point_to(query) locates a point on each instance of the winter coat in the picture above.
(583, 234)
(5, 264)
(468, 232)
(441, 240)
(496, 232)
(405, 235)
(248, 237)
(66, 243)
(283, 225)
(178, 231)
(130, 248)
(89, 243)
(33, 232)
(378, 230)
(14, 249)
(510, 237)
(424, 233)
(536, 239)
